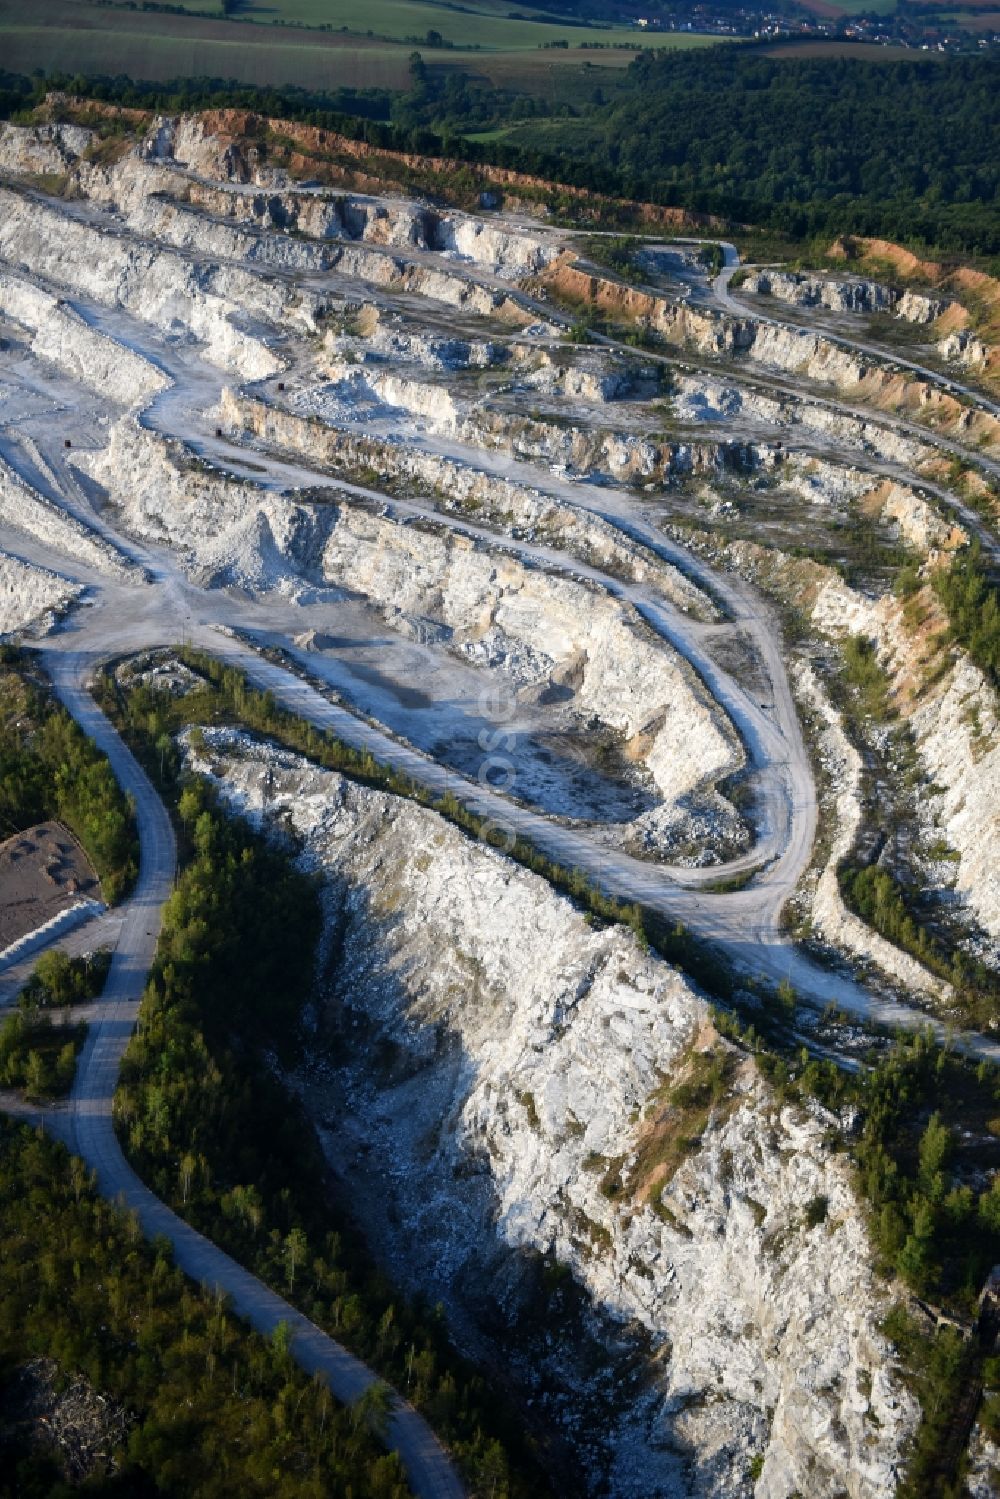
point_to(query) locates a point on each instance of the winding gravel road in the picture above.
(89, 1127)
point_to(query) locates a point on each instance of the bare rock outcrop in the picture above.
(59, 334)
(831, 918)
(158, 286)
(517, 508)
(31, 597)
(534, 1056)
(26, 510)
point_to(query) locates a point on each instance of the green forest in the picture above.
(832, 145)
(194, 1402)
(39, 1039)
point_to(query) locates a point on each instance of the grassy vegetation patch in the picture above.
(698, 1092)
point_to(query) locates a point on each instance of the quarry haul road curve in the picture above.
(740, 924)
(88, 1127)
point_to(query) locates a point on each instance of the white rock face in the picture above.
(956, 728)
(711, 398)
(506, 505)
(836, 294)
(60, 335)
(430, 350)
(231, 533)
(185, 142)
(844, 294)
(572, 634)
(158, 286)
(799, 351)
(26, 510)
(965, 348)
(916, 307)
(622, 456)
(917, 522)
(542, 628)
(31, 597)
(958, 735)
(45, 150)
(492, 246)
(528, 1046)
(983, 1476)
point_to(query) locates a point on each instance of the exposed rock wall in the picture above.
(626, 457)
(319, 215)
(483, 496)
(830, 916)
(42, 150)
(158, 286)
(575, 635)
(230, 533)
(793, 351)
(224, 143)
(715, 399)
(964, 348)
(30, 596)
(89, 356)
(146, 186)
(26, 510)
(954, 716)
(957, 727)
(526, 1047)
(800, 290)
(845, 294)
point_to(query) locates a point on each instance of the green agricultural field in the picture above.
(61, 36)
(74, 36)
(475, 26)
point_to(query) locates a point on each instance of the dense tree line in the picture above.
(59, 980)
(829, 145)
(210, 1408)
(805, 146)
(37, 1056)
(334, 109)
(50, 769)
(39, 1041)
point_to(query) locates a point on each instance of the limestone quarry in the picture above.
(667, 603)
